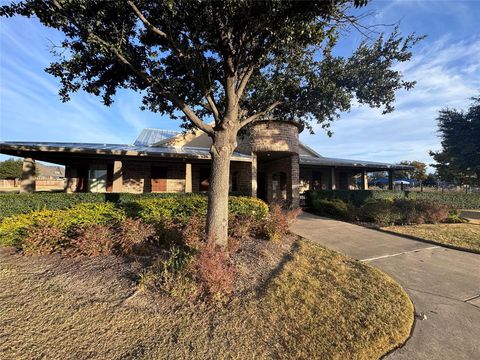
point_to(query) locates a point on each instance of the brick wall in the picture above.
(176, 177)
(136, 177)
(274, 136)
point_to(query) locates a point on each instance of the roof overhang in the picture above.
(64, 150)
(307, 160)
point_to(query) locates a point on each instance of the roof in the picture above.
(162, 143)
(325, 161)
(50, 171)
(116, 149)
(150, 136)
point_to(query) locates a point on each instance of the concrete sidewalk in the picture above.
(443, 284)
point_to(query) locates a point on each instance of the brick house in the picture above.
(269, 162)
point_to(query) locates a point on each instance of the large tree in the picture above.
(11, 169)
(221, 65)
(459, 159)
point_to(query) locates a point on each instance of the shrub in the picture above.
(334, 208)
(214, 272)
(454, 218)
(380, 212)
(433, 212)
(44, 239)
(360, 197)
(278, 222)
(132, 233)
(247, 207)
(420, 211)
(172, 275)
(94, 240)
(402, 211)
(13, 204)
(181, 208)
(15, 228)
(193, 234)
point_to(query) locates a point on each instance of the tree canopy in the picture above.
(199, 56)
(459, 158)
(11, 169)
(418, 173)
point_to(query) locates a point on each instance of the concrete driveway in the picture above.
(443, 284)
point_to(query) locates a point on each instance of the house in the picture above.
(47, 178)
(269, 162)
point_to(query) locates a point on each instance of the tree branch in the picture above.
(201, 83)
(177, 101)
(244, 81)
(260, 114)
(147, 23)
(213, 108)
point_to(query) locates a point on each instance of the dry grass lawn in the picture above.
(463, 236)
(315, 304)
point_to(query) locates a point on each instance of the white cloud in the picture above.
(447, 75)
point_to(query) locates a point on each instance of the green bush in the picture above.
(177, 208)
(380, 212)
(334, 208)
(246, 206)
(402, 212)
(360, 197)
(13, 229)
(14, 204)
(182, 208)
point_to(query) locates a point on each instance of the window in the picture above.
(97, 178)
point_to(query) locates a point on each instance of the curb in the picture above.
(412, 237)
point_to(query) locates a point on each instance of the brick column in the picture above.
(28, 176)
(117, 177)
(70, 178)
(294, 186)
(391, 179)
(188, 177)
(254, 175)
(332, 184)
(364, 180)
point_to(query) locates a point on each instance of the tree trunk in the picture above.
(217, 215)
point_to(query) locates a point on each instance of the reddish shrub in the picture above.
(214, 272)
(133, 232)
(193, 233)
(279, 221)
(43, 240)
(94, 240)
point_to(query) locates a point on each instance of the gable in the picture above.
(305, 150)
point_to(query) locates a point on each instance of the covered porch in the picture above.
(320, 173)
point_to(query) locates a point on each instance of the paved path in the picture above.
(444, 285)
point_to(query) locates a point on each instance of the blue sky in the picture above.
(446, 67)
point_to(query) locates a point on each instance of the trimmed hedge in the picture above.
(176, 207)
(13, 229)
(181, 208)
(13, 204)
(360, 197)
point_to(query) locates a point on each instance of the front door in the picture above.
(204, 179)
(262, 185)
(159, 179)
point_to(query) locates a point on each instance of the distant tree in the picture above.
(431, 180)
(221, 65)
(459, 159)
(418, 173)
(11, 169)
